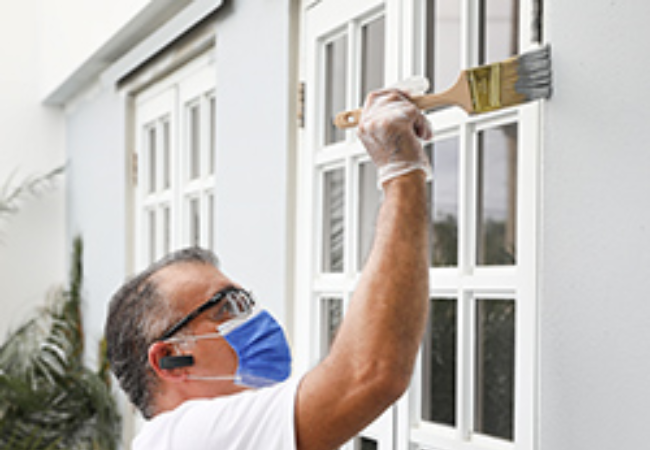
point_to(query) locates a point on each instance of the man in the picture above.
(200, 360)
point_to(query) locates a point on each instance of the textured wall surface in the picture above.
(595, 242)
(253, 151)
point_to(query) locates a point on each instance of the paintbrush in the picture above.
(486, 88)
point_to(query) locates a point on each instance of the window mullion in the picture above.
(176, 133)
(470, 34)
(205, 168)
(351, 202)
(467, 201)
(465, 364)
(353, 69)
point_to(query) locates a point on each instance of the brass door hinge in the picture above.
(134, 169)
(301, 105)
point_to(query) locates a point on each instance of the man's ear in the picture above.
(166, 365)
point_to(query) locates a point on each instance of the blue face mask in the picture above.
(262, 350)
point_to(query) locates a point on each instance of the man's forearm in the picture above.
(390, 304)
(370, 363)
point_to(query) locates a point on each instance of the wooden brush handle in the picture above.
(457, 95)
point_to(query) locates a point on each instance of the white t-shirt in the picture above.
(251, 420)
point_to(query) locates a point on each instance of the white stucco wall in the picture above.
(595, 243)
(254, 227)
(32, 248)
(72, 30)
(96, 193)
(41, 43)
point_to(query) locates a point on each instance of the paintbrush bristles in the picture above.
(510, 82)
(530, 76)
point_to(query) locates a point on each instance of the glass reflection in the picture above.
(167, 230)
(332, 315)
(497, 196)
(364, 443)
(369, 201)
(333, 220)
(499, 30)
(195, 222)
(439, 364)
(444, 156)
(151, 216)
(167, 176)
(495, 368)
(372, 57)
(336, 65)
(195, 142)
(442, 49)
(213, 134)
(211, 223)
(151, 144)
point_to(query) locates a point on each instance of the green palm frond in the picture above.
(48, 398)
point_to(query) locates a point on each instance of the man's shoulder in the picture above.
(221, 420)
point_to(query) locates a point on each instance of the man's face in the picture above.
(187, 286)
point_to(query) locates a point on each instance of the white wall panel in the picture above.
(596, 229)
(32, 247)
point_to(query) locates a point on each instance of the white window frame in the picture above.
(516, 282)
(465, 282)
(193, 83)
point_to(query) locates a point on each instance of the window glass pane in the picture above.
(166, 142)
(336, 53)
(213, 134)
(211, 221)
(497, 196)
(153, 160)
(333, 217)
(151, 217)
(372, 57)
(439, 364)
(332, 315)
(194, 141)
(499, 30)
(442, 49)
(444, 202)
(195, 222)
(369, 201)
(167, 231)
(364, 443)
(495, 368)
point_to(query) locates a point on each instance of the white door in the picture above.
(175, 151)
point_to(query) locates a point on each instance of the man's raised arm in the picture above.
(371, 360)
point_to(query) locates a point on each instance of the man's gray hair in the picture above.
(138, 314)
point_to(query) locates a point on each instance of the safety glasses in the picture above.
(230, 304)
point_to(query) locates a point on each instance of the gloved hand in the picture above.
(391, 128)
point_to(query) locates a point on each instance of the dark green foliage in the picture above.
(48, 398)
(495, 361)
(495, 248)
(445, 241)
(439, 404)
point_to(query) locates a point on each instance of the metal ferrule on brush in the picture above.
(485, 86)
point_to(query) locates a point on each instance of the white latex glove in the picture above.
(391, 128)
(415, 85)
